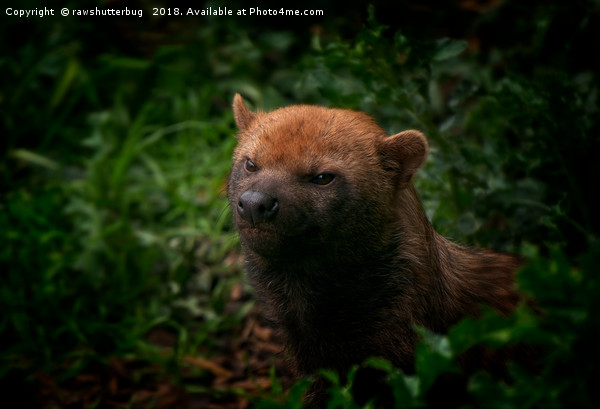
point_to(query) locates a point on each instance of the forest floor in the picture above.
(245, 366)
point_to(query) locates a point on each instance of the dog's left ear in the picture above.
(404, 153)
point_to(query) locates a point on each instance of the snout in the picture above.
(257, 207)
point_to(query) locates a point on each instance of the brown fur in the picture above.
(347, 269)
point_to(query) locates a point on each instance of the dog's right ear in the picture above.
(243, 116)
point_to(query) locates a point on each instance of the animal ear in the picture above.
(404, 154)
(243, 116)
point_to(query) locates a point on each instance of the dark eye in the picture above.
(250, 166)
(323, 179)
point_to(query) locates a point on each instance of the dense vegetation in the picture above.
(117, 254)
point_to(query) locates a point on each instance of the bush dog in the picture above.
(336, 242)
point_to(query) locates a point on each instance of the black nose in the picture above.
(257, 207)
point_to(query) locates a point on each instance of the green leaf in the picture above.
(446, 48)
(69, 76)
(434, 357)
(34, 158)
(467, 223)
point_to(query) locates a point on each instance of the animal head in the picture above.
(302, 175)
